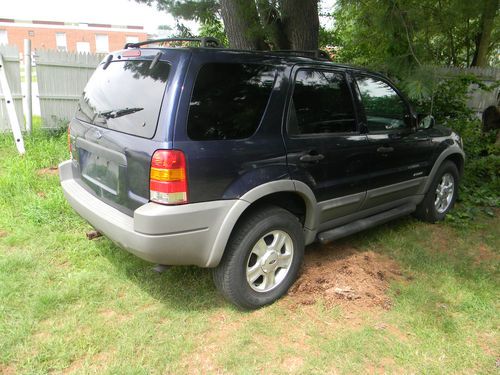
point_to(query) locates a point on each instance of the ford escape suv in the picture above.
(235, 160)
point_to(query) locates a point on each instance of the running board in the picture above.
(362, 224)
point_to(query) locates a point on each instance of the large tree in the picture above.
(416, 32)
(484, 37)
(254, 24)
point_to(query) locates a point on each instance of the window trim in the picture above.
(5, 40)
(293, 77)
(98, 36)
(359, 101)
(63, 36)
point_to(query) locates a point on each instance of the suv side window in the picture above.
(228, 100)
(321, 103)
(384, 108)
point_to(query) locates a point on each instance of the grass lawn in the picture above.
(406, 297)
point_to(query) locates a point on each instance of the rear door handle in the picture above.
(385, 149)
(308, 158)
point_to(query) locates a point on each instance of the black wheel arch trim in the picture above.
(310, 222)
(448, 154)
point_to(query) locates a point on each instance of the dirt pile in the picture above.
(343, 275)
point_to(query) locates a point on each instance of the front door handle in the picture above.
(385, 149)
(308, 158)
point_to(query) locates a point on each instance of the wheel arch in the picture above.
(454, 154)
(459, 161)
(294, 196)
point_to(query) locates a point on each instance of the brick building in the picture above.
(73, 37)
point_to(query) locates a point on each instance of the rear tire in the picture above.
(441, 196)
(262, 258)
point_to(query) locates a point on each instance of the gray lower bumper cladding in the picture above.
(156, 233)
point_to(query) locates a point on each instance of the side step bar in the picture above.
(362, 224)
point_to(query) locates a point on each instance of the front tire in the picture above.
(441, 196)
(262, 258)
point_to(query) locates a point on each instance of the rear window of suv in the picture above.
(126, 97)
(229, 100)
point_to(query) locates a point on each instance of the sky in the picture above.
(115, 12)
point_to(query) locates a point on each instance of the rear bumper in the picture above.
(172, 235)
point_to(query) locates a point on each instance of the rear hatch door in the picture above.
(123, 116)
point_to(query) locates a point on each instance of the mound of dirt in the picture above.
(343, 275)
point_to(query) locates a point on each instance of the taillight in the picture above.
(168, 177)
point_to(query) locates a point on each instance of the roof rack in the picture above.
(207, 42)
(316, 53)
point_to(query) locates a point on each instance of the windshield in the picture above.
(126, 96)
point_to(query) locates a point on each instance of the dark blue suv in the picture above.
(236, 160)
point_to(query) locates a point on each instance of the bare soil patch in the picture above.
(47, 171)
(485, 254)
(441, 238)
(7, 370)
(97, 363)
(223, 329)
(488, 342)
(114, 316)
(292, 364)
(3, 233)
(342, 275)
(381, 367)
(203, 360)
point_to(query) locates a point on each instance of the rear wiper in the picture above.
(155, 61)
(114, 113)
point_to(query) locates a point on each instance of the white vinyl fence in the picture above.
(479, 100)
(10, 55)
(62, 76)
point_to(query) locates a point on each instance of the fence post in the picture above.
(27, 77)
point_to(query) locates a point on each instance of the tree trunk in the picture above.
(301, 22)
(273, 25)
(483, 40)
(242, 26)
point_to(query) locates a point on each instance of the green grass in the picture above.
(72, 305)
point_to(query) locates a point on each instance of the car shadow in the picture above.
(179, 287)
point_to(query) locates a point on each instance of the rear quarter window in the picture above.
(228, 100)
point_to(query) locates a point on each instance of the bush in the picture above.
(446, 99)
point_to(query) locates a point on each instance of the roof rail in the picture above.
(316, 53)
(207, 41)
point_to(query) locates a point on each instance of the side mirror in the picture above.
(425, 121)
